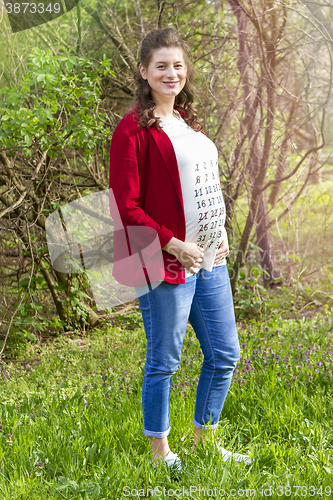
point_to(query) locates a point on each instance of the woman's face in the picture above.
(166, 73)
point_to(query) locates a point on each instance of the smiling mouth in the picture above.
(170, 83)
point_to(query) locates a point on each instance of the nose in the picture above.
(171, 73)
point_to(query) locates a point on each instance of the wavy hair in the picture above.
(157, 39)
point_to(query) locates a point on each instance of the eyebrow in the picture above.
(163, 62)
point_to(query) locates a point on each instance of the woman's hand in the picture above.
(222, 251)
(195, 267)
(190, 255)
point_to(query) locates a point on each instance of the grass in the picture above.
(72, 421)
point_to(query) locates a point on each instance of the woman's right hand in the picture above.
(190, 255)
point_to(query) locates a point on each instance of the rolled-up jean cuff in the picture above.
(206, 426)
(158, 435)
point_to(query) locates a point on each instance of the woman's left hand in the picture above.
(222, 251)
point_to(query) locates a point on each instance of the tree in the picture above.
(55, 115)
(250, 63)
(261, 32)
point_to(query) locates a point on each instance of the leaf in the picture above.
(62, 385)
(255, 272)
(51, 467)
(69, 66)
(91, 450)
(293, 256)
(94, 490)
(64, 483)
(105, 453)
(42, 117)
(27, 140)
(24, 283)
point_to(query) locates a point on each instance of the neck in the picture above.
(165, 109)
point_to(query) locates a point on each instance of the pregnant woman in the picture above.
(164, 177)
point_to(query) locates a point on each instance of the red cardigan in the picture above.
(146, 203)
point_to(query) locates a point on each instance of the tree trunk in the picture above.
(258, 155)
(267, 252)
(282, 160)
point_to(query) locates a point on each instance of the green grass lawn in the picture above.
(71, 417)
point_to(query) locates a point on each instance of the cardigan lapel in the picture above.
(168, 154)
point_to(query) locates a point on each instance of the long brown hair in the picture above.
(157, 39)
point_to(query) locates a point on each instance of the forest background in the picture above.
(263, 91)
(263, 79)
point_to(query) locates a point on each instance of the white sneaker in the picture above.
(173, 461)
(236, 457)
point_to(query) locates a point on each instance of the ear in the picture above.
(143, 72)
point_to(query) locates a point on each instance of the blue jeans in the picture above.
(205, 300)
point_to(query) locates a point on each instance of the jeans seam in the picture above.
(150, 341)
(208, 392)
(151, 327)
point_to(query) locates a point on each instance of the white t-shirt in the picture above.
(204, 207)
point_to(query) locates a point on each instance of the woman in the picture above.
(165, 180)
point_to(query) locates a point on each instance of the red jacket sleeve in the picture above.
(125, 183)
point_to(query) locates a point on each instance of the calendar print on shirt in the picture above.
(197, 159)
(210, 205)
